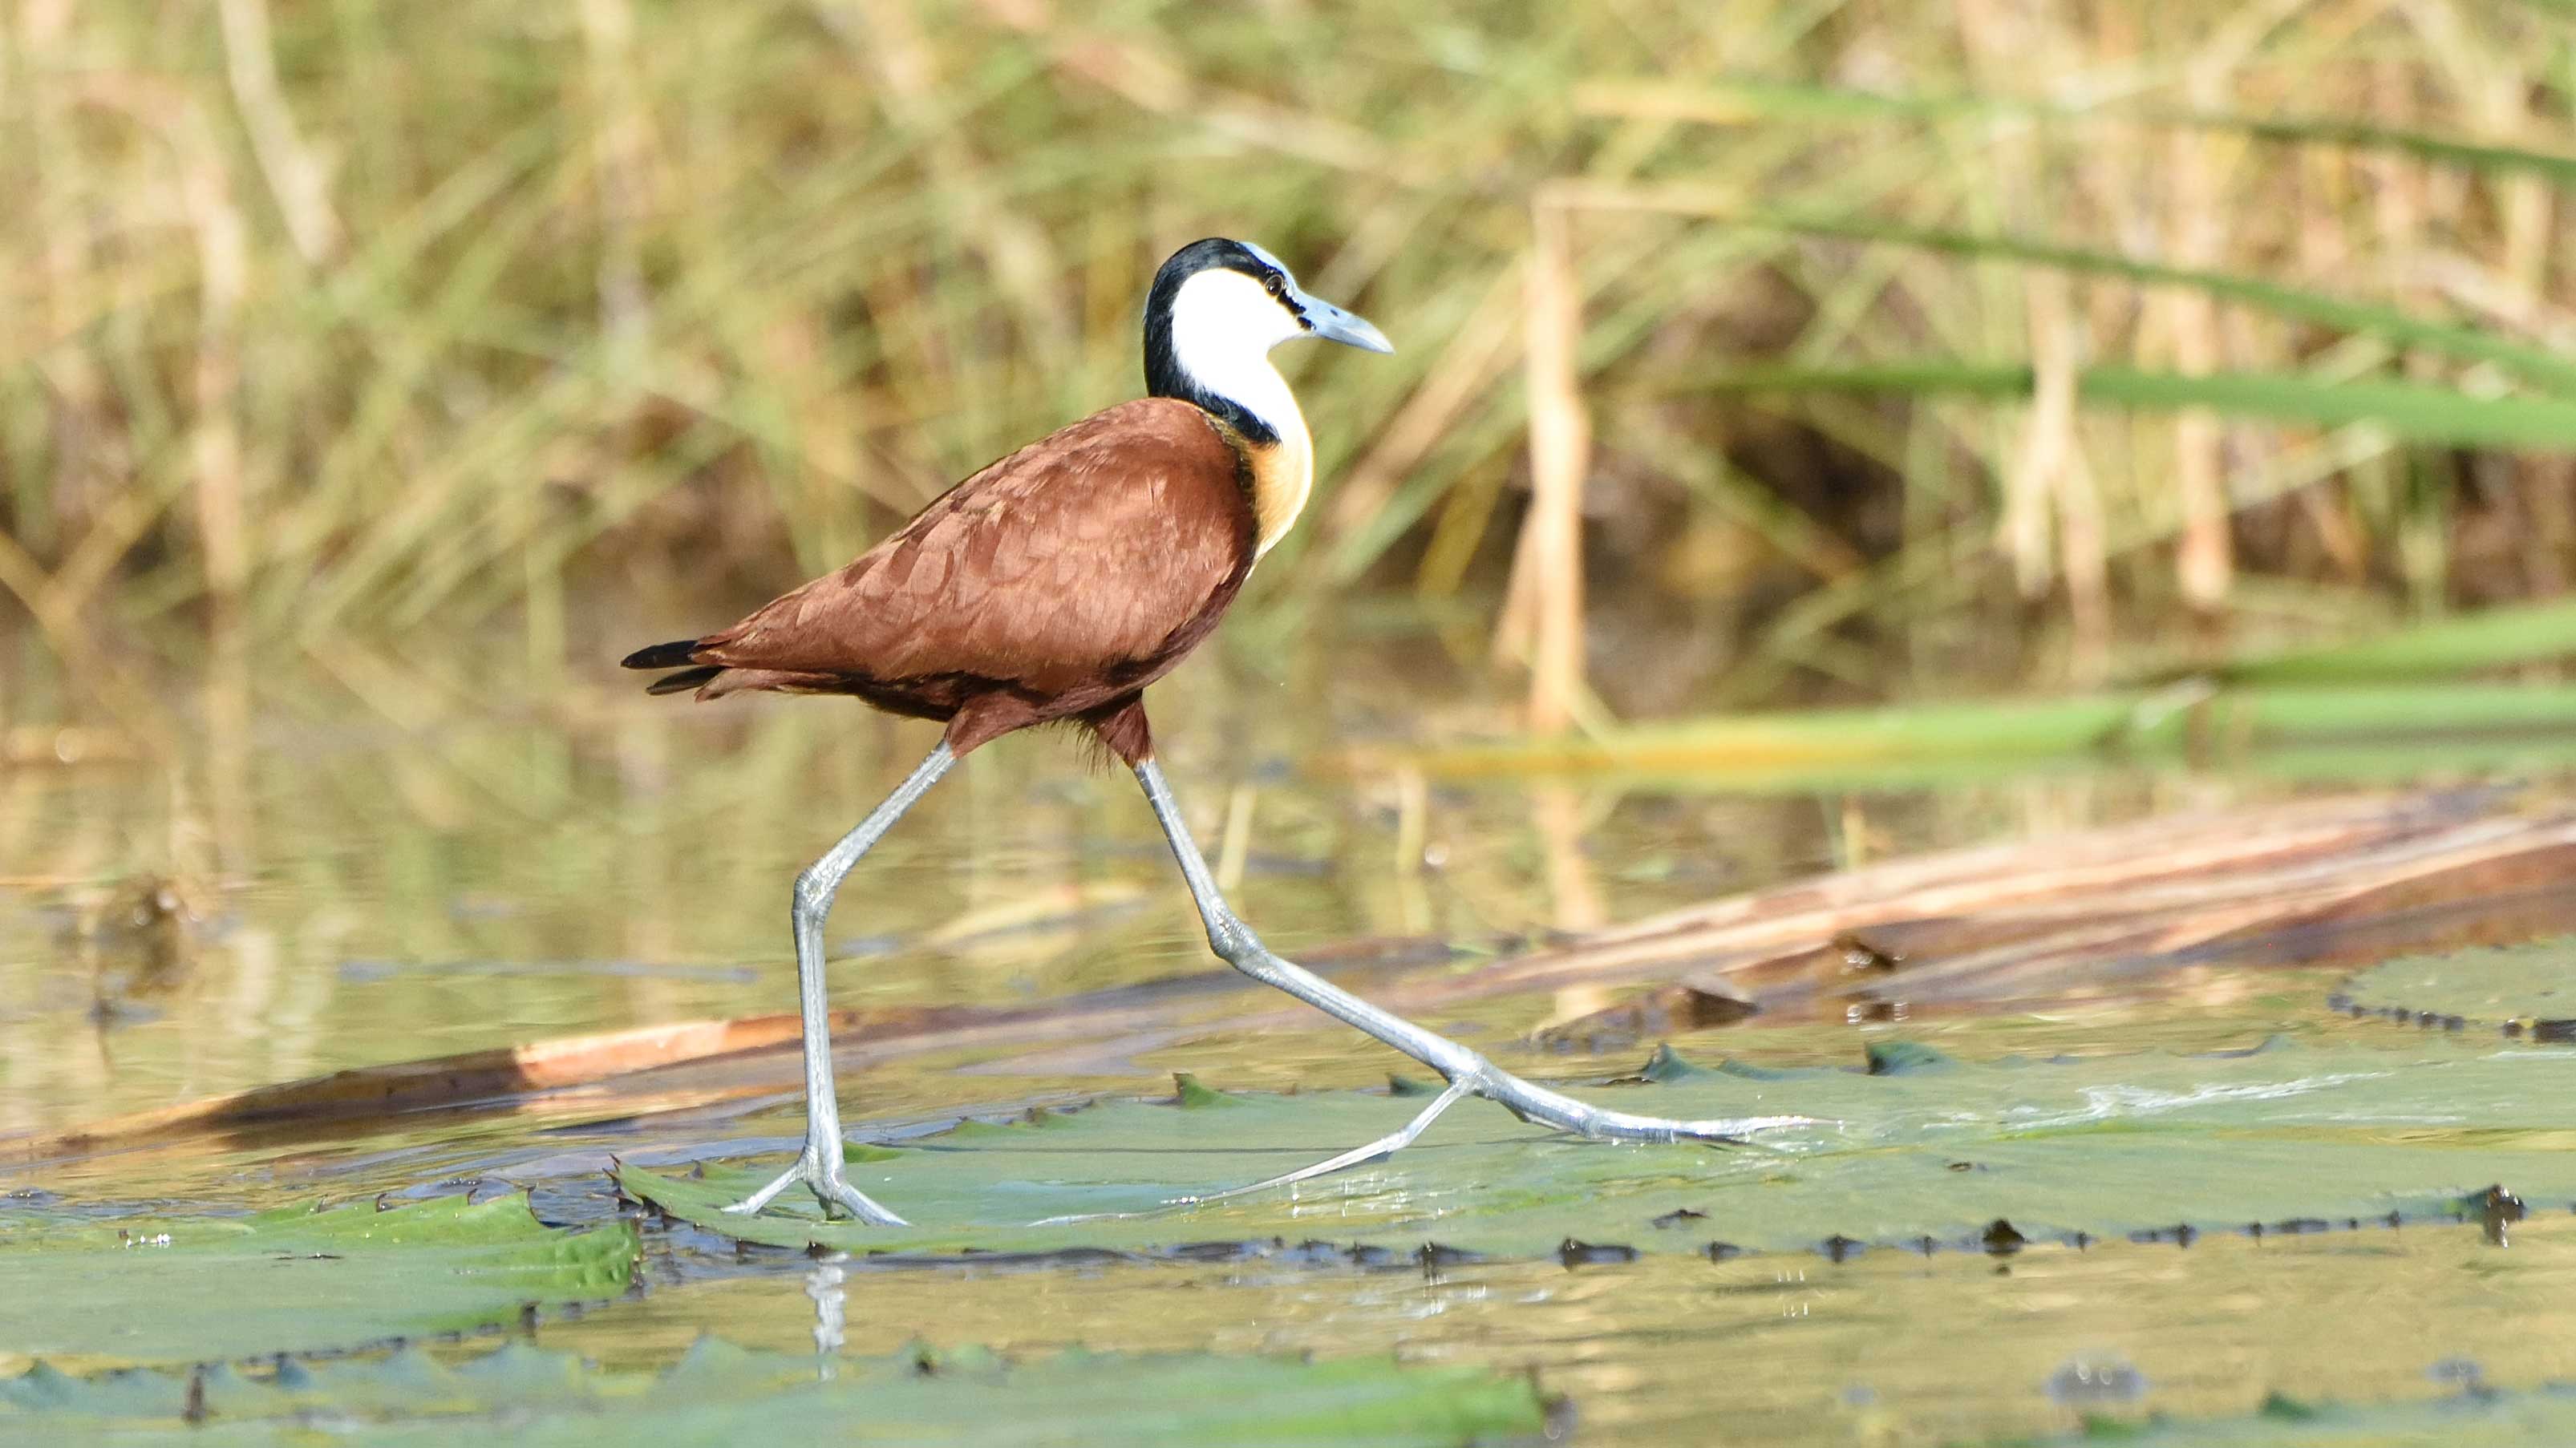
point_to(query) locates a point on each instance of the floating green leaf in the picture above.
(720, 1394)
(2527, 989)
(2542, 1419)
(2295, 1135)
(293, 1280)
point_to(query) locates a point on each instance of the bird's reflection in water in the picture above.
(831, 1299)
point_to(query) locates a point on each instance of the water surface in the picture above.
(389, 883)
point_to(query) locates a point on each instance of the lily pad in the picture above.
(296, 1280)
(2290, 1137)
(2526, 990)
(2541, 1419)
(720, 1394)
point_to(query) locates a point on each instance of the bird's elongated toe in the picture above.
(836, 1192)
(1540, 1106)
(820, 1170)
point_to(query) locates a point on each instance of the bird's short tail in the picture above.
(673, 655)
(685, 680)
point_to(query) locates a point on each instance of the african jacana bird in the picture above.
(1054, 586)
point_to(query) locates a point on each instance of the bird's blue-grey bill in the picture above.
(1333, 324)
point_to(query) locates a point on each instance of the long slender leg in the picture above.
(821, 1164)
(1465, 1070)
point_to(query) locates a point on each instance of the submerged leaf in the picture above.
(2542, 1419)
(722, 1394)
(2103, 1146)
(292, 1280)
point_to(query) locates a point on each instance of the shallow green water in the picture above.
(393, 883)
(1883, 1348)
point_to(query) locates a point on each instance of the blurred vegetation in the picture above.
(1776, 351)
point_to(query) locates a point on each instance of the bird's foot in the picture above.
(820, 1168)
(1378, 1150)
(1534, 1103)
(1531, 1103)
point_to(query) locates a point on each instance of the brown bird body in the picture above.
(1054, 584)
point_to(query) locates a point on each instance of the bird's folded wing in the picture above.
(1077, 554)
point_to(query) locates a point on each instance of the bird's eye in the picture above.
(1274, 285)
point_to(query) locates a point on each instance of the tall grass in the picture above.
(2000, 335)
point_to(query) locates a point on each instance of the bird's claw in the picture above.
(821, 1172)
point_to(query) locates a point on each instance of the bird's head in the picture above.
(1217, 308)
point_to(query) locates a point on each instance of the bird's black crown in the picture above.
(1164, 375)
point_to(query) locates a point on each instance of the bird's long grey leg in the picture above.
(1465, 1070)
(820, 1165)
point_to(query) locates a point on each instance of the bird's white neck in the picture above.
(1283, 465)
(1223, 326)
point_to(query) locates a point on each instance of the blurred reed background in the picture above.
(1774, 351)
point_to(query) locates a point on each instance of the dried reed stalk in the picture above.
(2204, 556)
(296, 175)
(1542, 621)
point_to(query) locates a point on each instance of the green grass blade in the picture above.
(2414, 412)
(1731, 102)
(2489, 638)
(2533, 363)
(1950, 742)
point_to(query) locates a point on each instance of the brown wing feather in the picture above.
(1078, 556)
